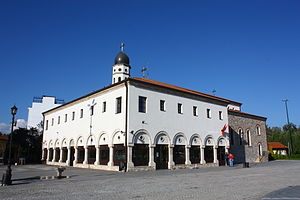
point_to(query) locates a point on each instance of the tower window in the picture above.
(119, 79)
(114, 80)
(162, 105)
(104, 106)
(125, 70)
(179, 108)
(118, 105)
(120, 69)
(195, 111)
(208, 113)
(142, 104)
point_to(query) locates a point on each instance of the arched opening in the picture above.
(57, 154)
(161, 151)
(64, 154)
(259, 150)
(50, 154)
(91, 154)
(119, 148)
(179, 150)
(119, 79)
(208, 151)
(140, 150)
(195, 155)
(104, 150)
(221, 152)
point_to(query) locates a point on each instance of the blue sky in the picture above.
(249, 51)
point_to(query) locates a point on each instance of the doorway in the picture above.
(221, 155)
(161, 157)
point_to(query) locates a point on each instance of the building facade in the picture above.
(141, 123)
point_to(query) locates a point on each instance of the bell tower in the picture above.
(121, 68)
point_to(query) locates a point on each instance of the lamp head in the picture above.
(14, 110)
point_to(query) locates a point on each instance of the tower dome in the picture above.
(122, 58)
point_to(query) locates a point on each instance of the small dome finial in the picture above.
(122, 46)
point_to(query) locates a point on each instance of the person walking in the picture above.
(230, 157)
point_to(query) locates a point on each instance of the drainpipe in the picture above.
(126, 124)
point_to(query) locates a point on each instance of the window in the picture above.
(81, 113)
(248, 134)
(142, 104)
(179, 107)
(73, 115)
(241, 136)
(66, 117)
(220, 115)
(257, 129)
(52, 121)
(208, 113)
(92, 110)
(162, 105)
(104, 106)
(259, 150)
(46, 124)
(114, 80)
(119, 79)
(118, 105)
(58, 120)
(195, 111)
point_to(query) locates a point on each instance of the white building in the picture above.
(143, 123)
(40, 105)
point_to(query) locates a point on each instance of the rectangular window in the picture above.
(58, 120)
(46, 124)
(118, 105)
(73, 115)
(179, 107)
(220, 115)
(92, 110)
(195, 111)
(208, 113)
(104, 106)
(162, 105)
(81, 113)
(66, 117)
(142, 104)
(52, 121)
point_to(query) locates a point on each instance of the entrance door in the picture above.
(221, 155)
(161, 156)
(72, 157)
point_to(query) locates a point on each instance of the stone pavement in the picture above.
(272, 180)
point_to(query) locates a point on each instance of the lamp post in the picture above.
(6, 179)
(288, 121)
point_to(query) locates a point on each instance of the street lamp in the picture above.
(6, 179)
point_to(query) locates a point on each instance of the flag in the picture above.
(223, 129)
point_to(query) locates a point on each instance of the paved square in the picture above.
(239, 183)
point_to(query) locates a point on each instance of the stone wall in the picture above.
(240, 147)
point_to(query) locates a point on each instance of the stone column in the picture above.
(187, 155)
(68, 161)
(61, 155)
(129, 154)
(54, 154)
(151, 156)
(75, 156)
(171, 161)
(215, 155)
(86, 155)
(202, 160)
(111, 155)
(97, 161)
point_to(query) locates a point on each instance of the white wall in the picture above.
(172, 122)
(102, 123)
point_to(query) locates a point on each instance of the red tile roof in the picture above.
(3, 137)
(169, 86)
(240, 112)
(276, 145)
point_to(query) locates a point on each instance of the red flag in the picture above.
(223, 129)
